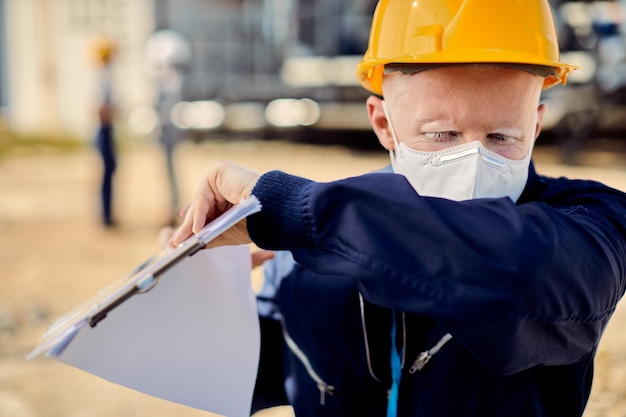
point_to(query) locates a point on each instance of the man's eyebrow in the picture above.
(434, 122)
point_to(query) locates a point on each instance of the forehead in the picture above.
(482, 98)
(477, 83)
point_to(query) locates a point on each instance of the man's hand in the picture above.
(259, 257)
(225, 185)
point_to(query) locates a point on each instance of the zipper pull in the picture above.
(424, 357)
(420, 362)
(325, 389)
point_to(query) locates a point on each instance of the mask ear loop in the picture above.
(392, 152)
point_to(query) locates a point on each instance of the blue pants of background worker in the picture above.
(106, 147)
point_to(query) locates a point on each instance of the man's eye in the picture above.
(441, 136)
(499, 138)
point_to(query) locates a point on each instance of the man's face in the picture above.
(444, 107)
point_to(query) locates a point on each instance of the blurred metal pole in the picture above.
(161, 14)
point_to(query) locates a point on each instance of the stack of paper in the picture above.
(187, 333)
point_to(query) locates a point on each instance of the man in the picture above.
(102, 53)
(468, 285)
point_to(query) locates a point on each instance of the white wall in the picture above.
(52, 84)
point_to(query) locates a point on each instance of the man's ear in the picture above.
(379, 123)
(541, 110)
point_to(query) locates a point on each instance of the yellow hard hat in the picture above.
(461, 31)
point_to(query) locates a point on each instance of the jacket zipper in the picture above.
(326, 389)
(424, 357)
(295, 349)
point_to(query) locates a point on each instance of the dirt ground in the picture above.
(54, 254)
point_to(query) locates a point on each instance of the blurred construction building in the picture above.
(47, 83)
(245, 53)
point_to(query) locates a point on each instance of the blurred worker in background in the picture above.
(462, 283)
(102, 50)
(167, 56)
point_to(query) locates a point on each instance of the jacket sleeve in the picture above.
(516, 285)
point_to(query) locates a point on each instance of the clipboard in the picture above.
(139, 281)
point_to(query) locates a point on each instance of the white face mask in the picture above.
(459, 173)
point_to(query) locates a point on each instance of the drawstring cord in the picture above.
(397, 357)
(397, 365)
(396, 371)
(366, 340)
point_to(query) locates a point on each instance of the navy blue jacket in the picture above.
(524, 289)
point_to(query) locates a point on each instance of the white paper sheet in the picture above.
(193, 339)
(142, 279)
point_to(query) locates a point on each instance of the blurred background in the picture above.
(244, 66)
(155, 91)
(266, 68)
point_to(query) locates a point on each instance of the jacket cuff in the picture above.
(280, 223)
